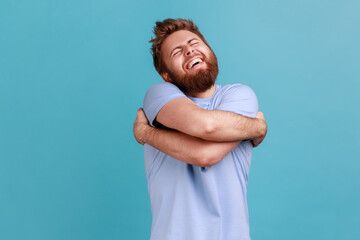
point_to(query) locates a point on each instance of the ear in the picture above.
(166, 77)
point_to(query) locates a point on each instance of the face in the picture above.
(190, 63)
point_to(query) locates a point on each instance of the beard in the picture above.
(197, 82)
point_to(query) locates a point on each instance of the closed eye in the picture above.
(176, 53)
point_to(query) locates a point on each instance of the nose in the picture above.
(189, 51)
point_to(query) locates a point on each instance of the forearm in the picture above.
(215, 125)
(229, 126)
(187, 148)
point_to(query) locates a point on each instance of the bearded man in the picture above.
(198, 139)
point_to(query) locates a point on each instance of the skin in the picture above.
(178, 50)
(203, 137)
(186, 148)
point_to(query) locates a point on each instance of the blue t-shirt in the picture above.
(195, 203)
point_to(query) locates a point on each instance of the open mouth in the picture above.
(194, 62)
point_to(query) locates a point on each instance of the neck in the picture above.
(206, 94)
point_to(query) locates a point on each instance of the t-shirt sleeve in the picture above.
(157, 96)
(240, 99)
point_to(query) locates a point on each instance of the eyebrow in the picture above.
(180, 46)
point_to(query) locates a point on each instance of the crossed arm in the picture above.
(203, 137)
(185, 116)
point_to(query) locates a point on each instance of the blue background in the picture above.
(73, 73)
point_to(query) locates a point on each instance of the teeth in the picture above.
(191, 64)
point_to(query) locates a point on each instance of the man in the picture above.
(199, 145)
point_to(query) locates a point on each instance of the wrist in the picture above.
(140, 132)
(146, 132)
(262, 127)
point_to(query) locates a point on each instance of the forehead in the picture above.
(177, 38)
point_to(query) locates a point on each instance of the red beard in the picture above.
(202, 80)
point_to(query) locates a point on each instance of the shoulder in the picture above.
(238, 98)
(157, 96)
(240, 88)
(238, 91)
(163, 86)
(163, 90)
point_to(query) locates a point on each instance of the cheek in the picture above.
(178, 65)
(207, 52)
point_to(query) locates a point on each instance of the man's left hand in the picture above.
(140, 126)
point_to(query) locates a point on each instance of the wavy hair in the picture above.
(162, 30)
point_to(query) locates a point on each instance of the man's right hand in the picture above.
(258, 140)
(140, 126)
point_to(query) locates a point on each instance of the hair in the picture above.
(162, 30)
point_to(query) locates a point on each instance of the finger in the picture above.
(139, 111)
(260, 115)
(141, 117)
